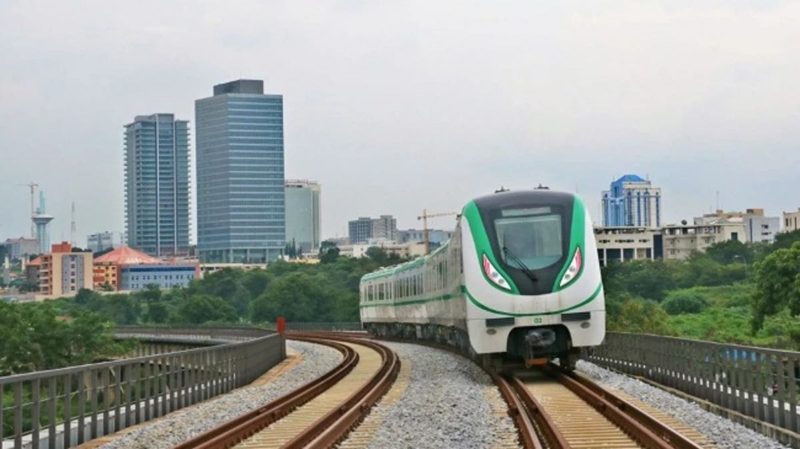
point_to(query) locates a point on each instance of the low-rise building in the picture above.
(63, 272)
(758, 227)
(680, 241)
(404, 250)
(137, 277)
(791, 221)
(127, 269)
(623, 243)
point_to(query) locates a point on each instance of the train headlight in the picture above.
(494, 275)
(574, 268)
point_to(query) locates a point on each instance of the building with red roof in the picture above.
(125, 268)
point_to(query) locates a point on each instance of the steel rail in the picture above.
(334, 426)
(637, 423)
(518, 412)
(238, 429)
(546, 425)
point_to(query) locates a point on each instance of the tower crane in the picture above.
(424, 217)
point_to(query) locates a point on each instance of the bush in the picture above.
(683, 301)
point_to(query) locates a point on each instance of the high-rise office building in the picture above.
(157, 184)
(303, 214)
(632, 201)
(240, 181)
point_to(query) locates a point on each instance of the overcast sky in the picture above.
(398, 106)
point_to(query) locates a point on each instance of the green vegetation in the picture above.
(735, 292)
(327, 291)
(34, 337)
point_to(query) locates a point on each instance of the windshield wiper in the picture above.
(521, 265)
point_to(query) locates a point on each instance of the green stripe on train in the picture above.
(482, 306)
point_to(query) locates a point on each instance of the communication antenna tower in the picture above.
(32, 186)
(72, 227)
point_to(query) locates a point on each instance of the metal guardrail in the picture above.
(66, 407)
(757, 382)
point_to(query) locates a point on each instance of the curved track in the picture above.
(320, 413)
(558, 410)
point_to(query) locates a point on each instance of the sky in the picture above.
(395, 107)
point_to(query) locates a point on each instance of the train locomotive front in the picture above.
(531, 276)
(520, 279)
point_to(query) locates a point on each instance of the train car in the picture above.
(519, 279)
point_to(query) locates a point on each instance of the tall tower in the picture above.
(157, 184)
(240, 190)
(41, 220)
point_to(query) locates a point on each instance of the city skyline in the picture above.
(732, 113)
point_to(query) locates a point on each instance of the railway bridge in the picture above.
(341, 387)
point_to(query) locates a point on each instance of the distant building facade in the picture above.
(758, 227)
(406, 250)
(303, 222)
(632, 201)
(359, 230)
(157, 184)
(364, 228)
(100, 241)
(21, 248)
(624, 243)
(63, 272)
(137, 277)
(240, 174)
(681, 240)
(791, 221)
(436, 237)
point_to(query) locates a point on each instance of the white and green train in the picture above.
(520, 278)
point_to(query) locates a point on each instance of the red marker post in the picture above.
(280, 325)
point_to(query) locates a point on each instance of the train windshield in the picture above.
(529, 239)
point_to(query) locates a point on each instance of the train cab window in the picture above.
(531, 236)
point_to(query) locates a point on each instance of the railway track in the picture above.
(320, 413)
(556, 410)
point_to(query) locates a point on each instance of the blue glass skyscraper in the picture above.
(240, 177)
(632, 201)
(157, 184)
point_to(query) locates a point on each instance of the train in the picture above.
(518, 281)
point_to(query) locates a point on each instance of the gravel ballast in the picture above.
(444, 405)
(723, 432)
(181, 425)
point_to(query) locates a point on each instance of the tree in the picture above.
(298, 297)
(328, 252)
(684, 301)
(151, 293)
(290, 250)
(157, 312)
(777, 279)
(203, 308)
(786, 240)
(730, 251)
(631, 314)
